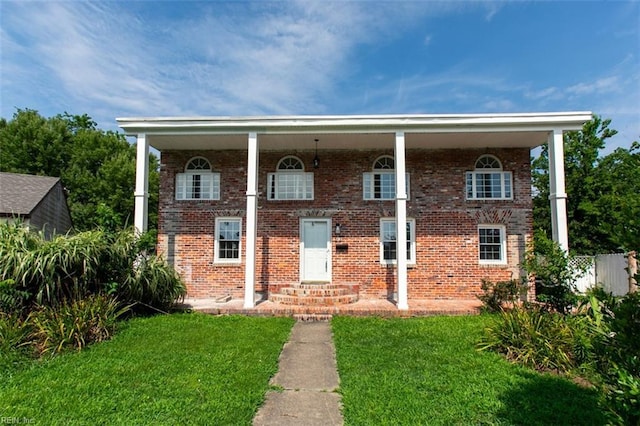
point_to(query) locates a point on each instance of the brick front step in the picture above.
(314, 292)
(314, 295)
(313, 300)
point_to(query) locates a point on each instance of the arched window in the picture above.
(488, 181)
(385, 162)
(290, 163)
(198, 182)
(380, 183)
(290, 181)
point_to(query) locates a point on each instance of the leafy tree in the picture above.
(617, 190)
(96, 167)
(602, 205)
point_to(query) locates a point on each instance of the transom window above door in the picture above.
(380, 183)
(198, 182)
(290, 181)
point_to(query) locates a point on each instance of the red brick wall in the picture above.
(446, 225)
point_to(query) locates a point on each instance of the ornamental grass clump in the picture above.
(538, 339)
(74, 324)
(36, 271)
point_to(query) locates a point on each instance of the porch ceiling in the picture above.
(353, 132)
(358, 141)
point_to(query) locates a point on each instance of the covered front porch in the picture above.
(362, 307)
(396, 133)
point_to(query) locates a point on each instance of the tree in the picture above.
(96, 167)
(617, 189)
(602, 205)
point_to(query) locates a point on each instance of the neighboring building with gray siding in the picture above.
(38, 201)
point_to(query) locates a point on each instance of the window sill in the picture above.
(221, 263)
(498, 264)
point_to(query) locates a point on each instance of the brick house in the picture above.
(308, 207)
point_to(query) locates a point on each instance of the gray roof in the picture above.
(20, 194)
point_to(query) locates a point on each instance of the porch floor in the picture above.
(362, 307)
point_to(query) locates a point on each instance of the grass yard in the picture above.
(427, 371)
(183, 368)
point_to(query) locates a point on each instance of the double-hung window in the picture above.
(228, 239)
(492, 244)
(198, 182)
(380, 183)
(290, 182)
(488, 181)
(388, 238)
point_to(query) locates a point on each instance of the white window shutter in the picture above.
(181, 183)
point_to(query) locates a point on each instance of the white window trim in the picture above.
(504, 176)
(412, 225)
(503, 245)
(188, 174)
(181, 190)
(216, 244)
(368, 194)
(272, 180)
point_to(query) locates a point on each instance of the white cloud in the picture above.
(224, 59)
(605, 84)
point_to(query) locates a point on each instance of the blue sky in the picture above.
(161, 58)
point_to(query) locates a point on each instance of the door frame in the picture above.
(304, 220)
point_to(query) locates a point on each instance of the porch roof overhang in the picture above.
(427, 131)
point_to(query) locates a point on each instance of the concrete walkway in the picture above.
(308, 374)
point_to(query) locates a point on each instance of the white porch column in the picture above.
(401, 221)
(557, 194)
(252, 229)
(141, 193)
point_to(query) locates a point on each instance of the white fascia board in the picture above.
(356, 123)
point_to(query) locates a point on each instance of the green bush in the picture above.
(495, 295)
(72, 266)
(153, 283)
(555, 277)
(15, 341)
(12, 298)
(538, 339)
(617, 352)
(75, 323)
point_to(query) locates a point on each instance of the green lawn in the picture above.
(427, 371)
(193, 369)
(199, 369)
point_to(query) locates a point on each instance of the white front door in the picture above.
(315, 250)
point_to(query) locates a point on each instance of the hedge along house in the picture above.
(306, 209)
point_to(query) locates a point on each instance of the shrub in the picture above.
(74, 323)
(15, 341)
(538, 339)
(495, 295)
(12, 297)
(73, 266)
(153, 283)
(617, 351)
(555, 277)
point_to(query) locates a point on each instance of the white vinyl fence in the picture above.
(607, 270)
